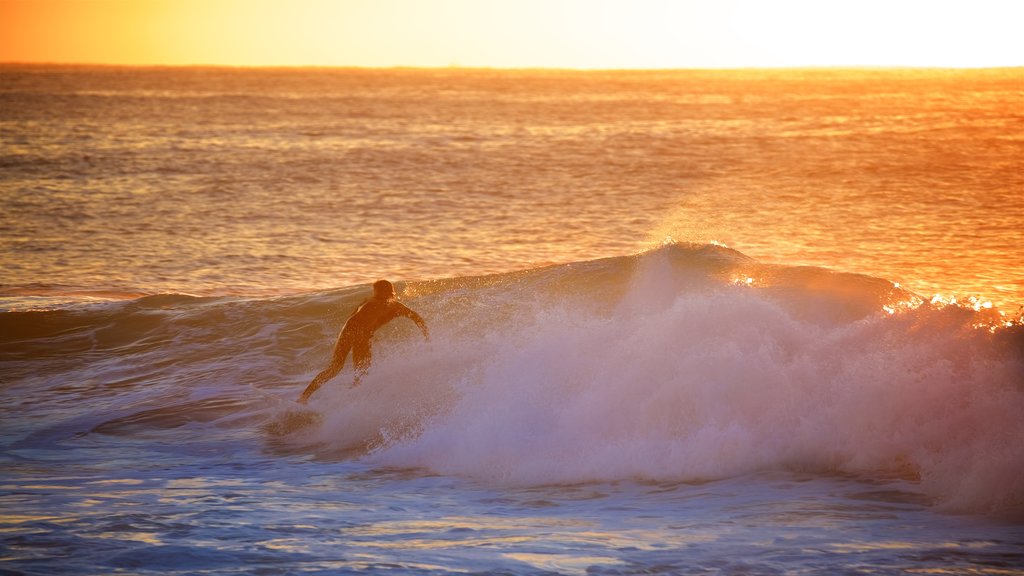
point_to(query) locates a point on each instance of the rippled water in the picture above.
(217, 181)
(181, 246)
(342, 521)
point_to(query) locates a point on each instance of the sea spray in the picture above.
(685, 363)
(691, 377)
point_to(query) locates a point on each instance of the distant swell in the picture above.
(681, 364)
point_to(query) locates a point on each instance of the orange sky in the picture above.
(516, 33)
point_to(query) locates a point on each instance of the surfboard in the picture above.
(293, 420)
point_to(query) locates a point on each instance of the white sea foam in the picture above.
(659, 366)
(701, 383)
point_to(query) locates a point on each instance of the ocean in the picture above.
(682, 322)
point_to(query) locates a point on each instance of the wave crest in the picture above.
(688, 362)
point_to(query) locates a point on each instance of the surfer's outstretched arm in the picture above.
(410, 314)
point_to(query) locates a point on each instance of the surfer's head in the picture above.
(383, 290)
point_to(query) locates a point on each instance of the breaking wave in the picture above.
(685, 363)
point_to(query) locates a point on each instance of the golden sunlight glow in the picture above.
(515, 33)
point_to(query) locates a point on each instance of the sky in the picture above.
(587, 34)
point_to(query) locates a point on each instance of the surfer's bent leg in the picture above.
(361, 357)
(337, 363)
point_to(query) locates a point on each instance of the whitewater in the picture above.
(681, 322)
(679, 385)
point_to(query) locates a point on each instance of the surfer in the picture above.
(355, 336)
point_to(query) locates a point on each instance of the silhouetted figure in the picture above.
(355, 336)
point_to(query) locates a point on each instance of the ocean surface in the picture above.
(683, 322)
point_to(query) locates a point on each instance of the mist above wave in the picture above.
(693, 363)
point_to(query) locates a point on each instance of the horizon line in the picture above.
(823, 67)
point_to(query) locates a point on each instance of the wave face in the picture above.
(685, 363)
